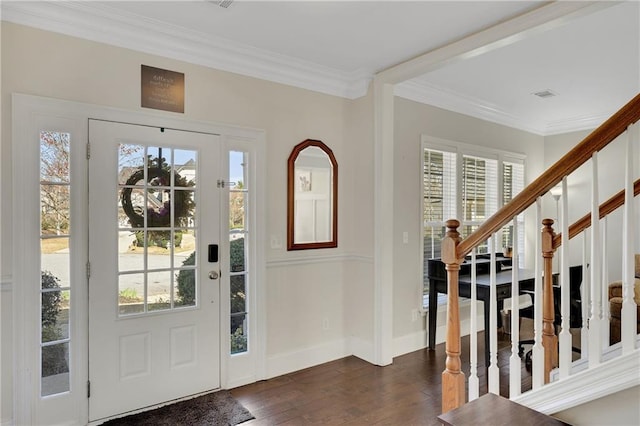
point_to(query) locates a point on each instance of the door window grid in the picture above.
(157, 229)
(480, 189)
(55, 286)
(238, 245)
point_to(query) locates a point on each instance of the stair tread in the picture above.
(495, 410)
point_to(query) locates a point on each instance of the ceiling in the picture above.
(591, 62)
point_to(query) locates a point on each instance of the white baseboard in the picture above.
(609, 377)
(298, 360)
(241, 381)
(410, 343)
(362, 349)
(419, 340)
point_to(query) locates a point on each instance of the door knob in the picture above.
(213, 275)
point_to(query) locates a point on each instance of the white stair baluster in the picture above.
(474, 383)
(585, 298)
(493, 370)
(629, 311)
(564, 339)
(605, 279)
(595, 318)
(515, 379)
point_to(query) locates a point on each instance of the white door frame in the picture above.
(29, 111)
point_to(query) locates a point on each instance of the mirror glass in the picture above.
(312, 213)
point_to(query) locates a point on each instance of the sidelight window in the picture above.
(55, 255)
(238, 244)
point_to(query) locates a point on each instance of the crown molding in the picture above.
(430, 94)
(576, 124)
(100, 23)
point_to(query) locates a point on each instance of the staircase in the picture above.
(560, 380)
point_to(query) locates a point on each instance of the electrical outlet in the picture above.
(414, 315)
(405, 237)
(325, 323)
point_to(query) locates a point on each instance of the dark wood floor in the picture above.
(350, 391)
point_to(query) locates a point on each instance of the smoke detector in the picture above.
(544, 94)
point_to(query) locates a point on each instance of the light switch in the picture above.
(276, 242)
(405, 237)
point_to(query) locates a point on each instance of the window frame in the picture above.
(460, 150)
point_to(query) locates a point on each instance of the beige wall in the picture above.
(618, 409)
(411, 121)
(299, 297)
(611, 180)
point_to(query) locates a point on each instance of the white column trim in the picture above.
(383, 223)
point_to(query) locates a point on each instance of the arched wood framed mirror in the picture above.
(312, 197)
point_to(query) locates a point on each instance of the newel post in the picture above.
(549, 338)
(453, 381)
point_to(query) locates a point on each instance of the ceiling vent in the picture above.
(222, 3)
(544, 94)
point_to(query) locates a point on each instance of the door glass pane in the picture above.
(131, 250)
(130, 294)
(55, 260)
(237, 256)
(157, 235)
(184, 246)
(55, 212)
(158, 208)
(131, 207)
(55, 255)
(185, 168)
(238, 333)
(54, 157)
(130, 160)
(55, 315)
(55, 369)
(185, 284)
(184, 208)
(238, 314)
(237, 210)
(159, 290)
(238, 294)
(159, 248)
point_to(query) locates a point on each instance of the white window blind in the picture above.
(512, 185)
(470, 187)
(439, 197)
(479, 192)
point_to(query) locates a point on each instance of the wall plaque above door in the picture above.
(162, 89)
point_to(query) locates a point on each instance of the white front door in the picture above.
(154, 296)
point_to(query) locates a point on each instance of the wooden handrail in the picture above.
(605, 208)
(581, 153)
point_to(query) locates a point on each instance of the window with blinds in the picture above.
(439, 197)
(512, 184)
(479, 193)
(470, 188)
